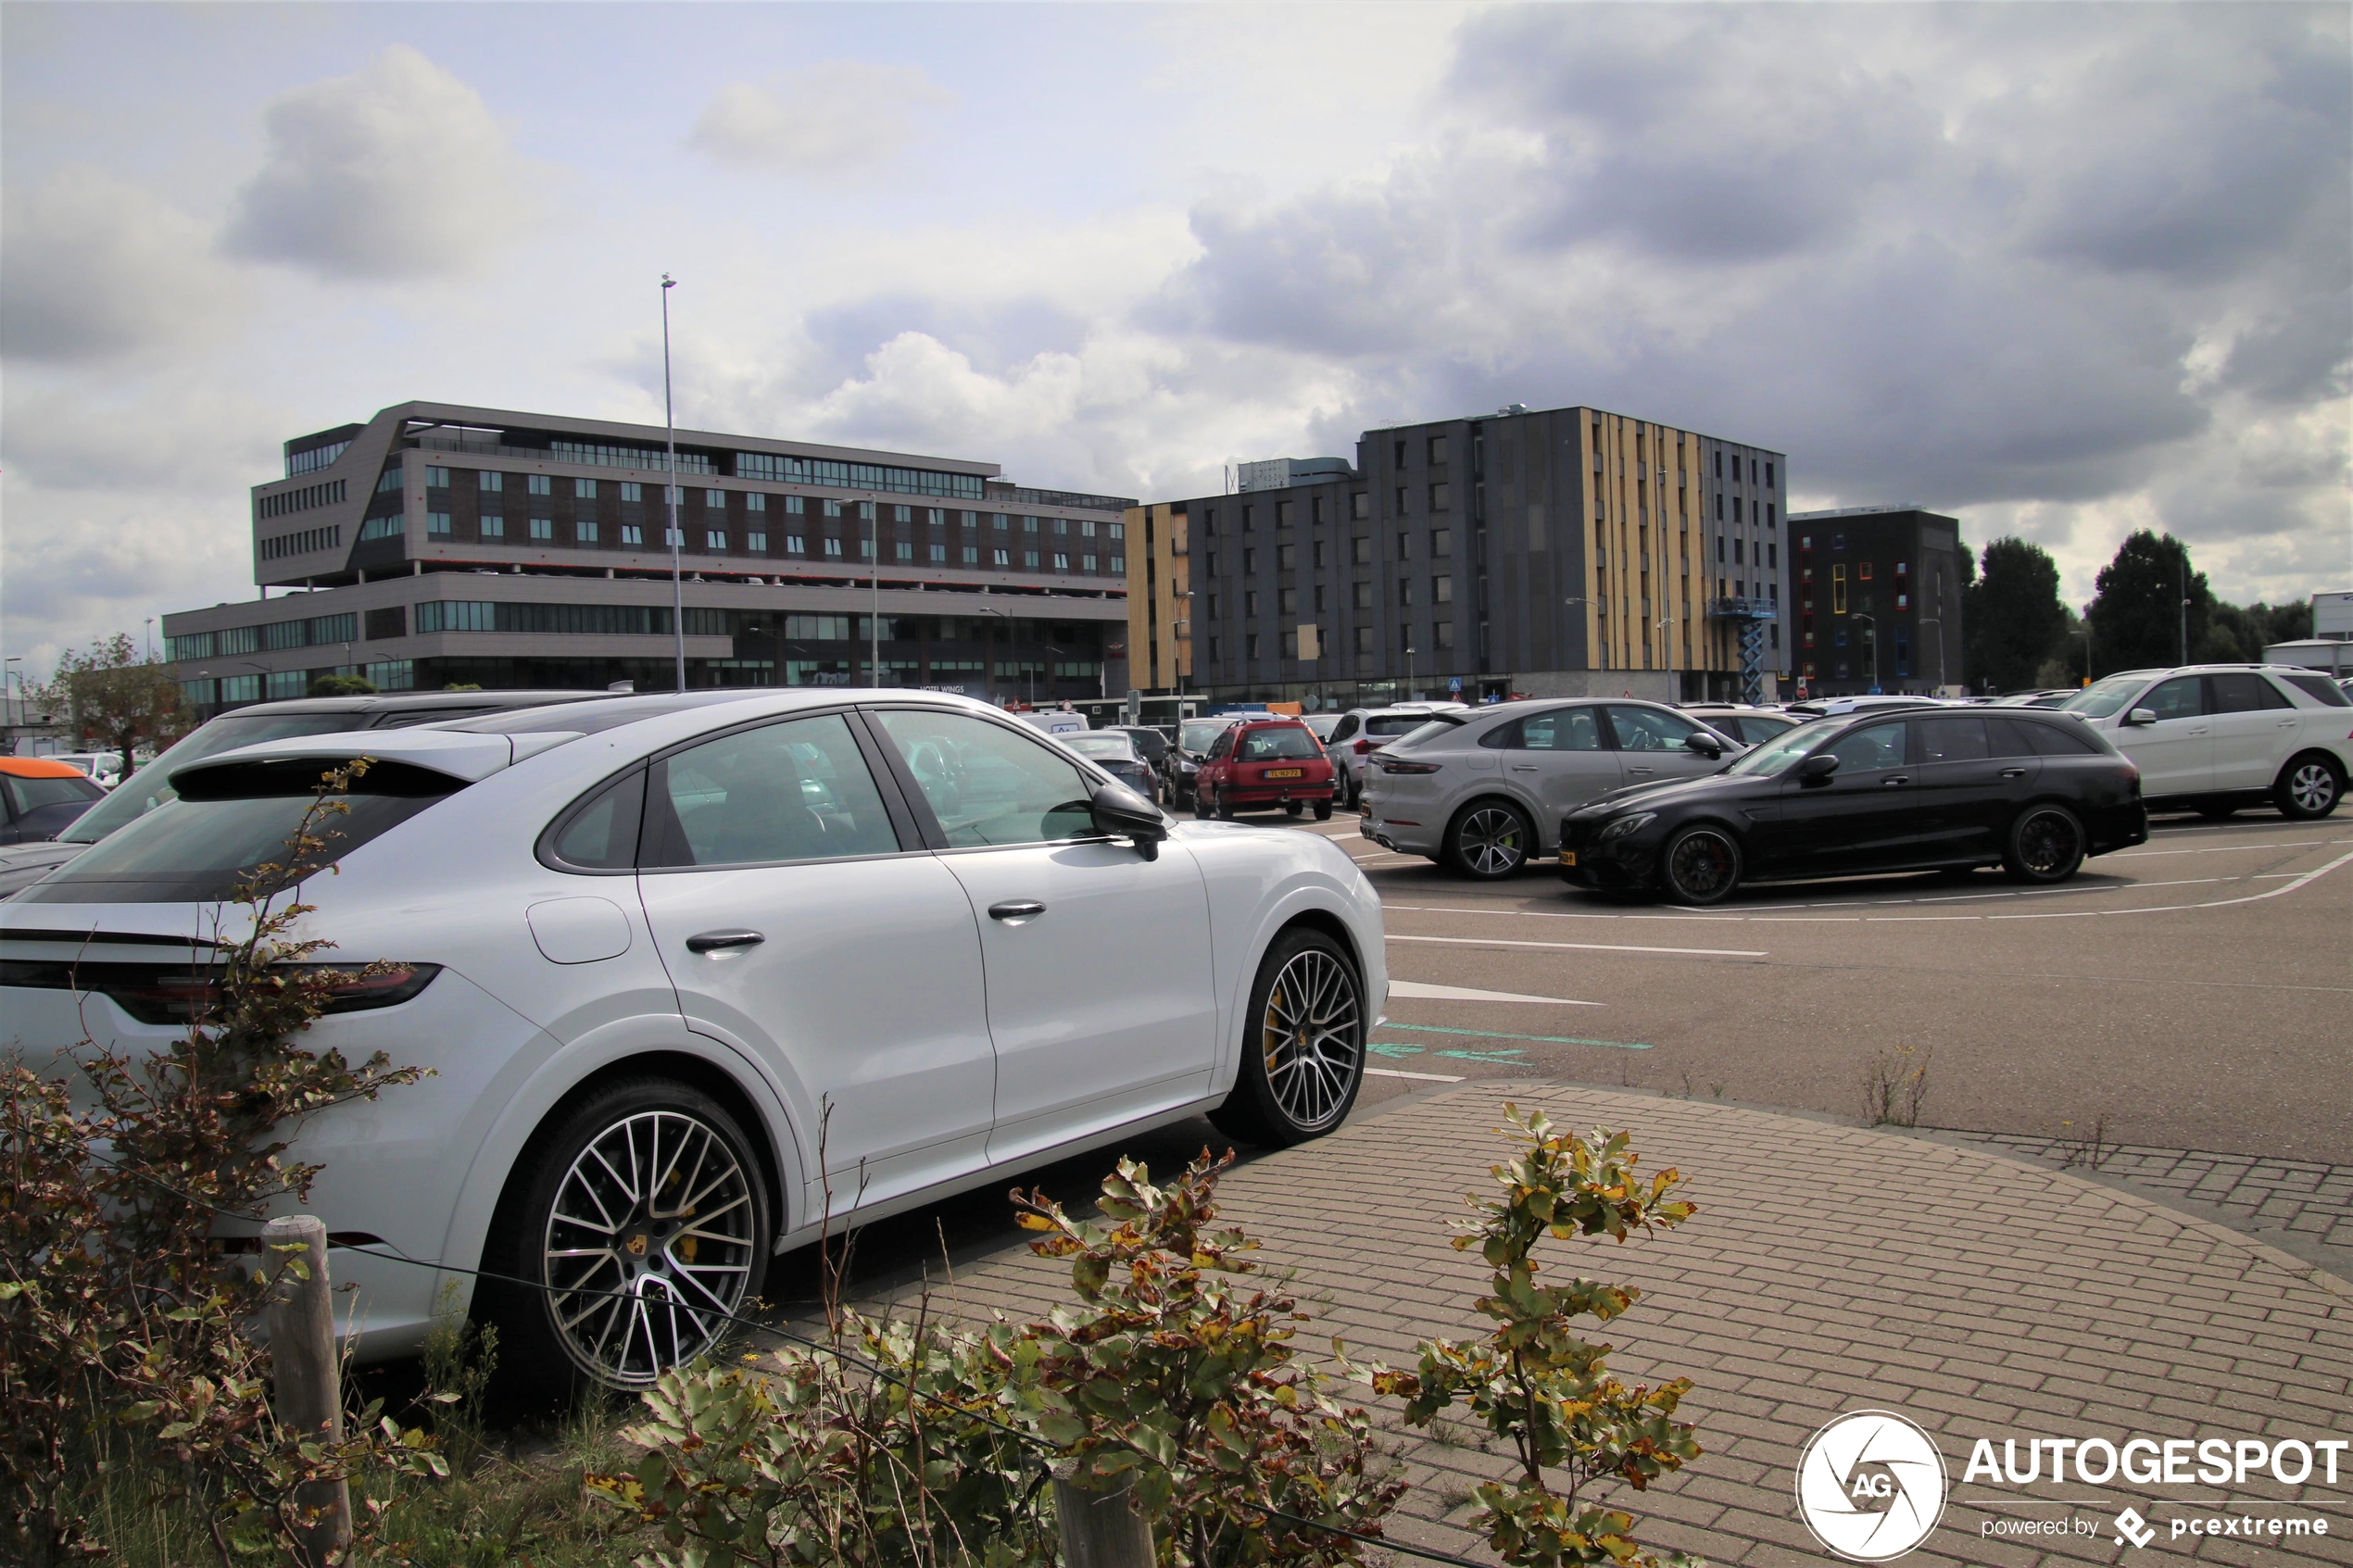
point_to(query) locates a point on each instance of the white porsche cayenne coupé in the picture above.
(657, 950)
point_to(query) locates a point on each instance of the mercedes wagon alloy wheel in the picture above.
(1701, 866)
(1304, 1051)
(1491, 841)
(2047, 845)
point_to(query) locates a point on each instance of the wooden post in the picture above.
(1099, 1529)
(309, 1382)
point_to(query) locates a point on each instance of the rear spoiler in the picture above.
(457, 754)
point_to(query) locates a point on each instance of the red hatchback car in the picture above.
(1270, 762)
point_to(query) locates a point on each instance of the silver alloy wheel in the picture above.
(653, 1220)
(1309, 1038)
(2313, 787)
(1489, 841)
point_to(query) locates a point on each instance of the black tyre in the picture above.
(2047, 845)
(2309, 787)
(1700, 865)
(1292, 808)
(1323, 810)
(634, 1205)
(1489, 840)
(1222, 808)
(1201, 803)
(1302, 1046)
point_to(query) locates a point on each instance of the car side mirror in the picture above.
(1120, 812)
(1707, 746)
(2141, 716)
(1816, 768)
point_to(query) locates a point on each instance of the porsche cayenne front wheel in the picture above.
(1303, 1047)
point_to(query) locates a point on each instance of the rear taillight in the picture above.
(1392, 765)
(179, 994)
(1362, 746)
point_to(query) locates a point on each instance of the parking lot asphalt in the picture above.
(2190, 993)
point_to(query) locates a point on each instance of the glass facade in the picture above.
(786, 469)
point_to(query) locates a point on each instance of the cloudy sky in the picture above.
(2062, 270)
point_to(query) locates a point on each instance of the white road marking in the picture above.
(1580, 947)
(2222, 849)
(2175, 909)
(1416, 991)
(1424, 1078)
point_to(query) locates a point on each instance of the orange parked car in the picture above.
(40, 797)
(1262, 763)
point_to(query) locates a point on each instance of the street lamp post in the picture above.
(874, 565)
(670, 462)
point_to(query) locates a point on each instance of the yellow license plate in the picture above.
(1569, 857)
(1284, 773)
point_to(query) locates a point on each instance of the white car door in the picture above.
(797, 925)
(1100, 993)
(2175, 753)
(2256, 729)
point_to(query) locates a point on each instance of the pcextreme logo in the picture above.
(1870, 1486)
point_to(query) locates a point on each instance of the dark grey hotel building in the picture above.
(439, 545)
(1552, 552)
(1879, 601)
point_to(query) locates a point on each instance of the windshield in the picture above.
(1199, 733)
(2105, 699)
(1108, 744)
(1780, 754)
(151, 786)
(202, 851)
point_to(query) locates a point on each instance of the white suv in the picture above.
(2217, 738)
(1363, 731)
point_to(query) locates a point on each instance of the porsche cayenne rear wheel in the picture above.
(1701, 865)
(1303, 1043)
(641, 1219)
(1489, 841)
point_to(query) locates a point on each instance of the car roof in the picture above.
(394, 702)
(40, 767)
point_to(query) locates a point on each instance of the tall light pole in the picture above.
(874, 566)
(2185, 604)
(669, 461)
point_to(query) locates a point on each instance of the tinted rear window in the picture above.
(2319, 688)
(231, 828)
(1289, 741)
(1395, 723)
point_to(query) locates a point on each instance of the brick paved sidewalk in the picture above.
(1830, 1269)
(2307, 1204)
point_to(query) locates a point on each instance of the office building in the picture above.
(1879, 601)
(1555, 552)
(439, 545)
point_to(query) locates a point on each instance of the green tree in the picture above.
(342, 686)
(2012, 620)
(2137, 610)
(117, 696)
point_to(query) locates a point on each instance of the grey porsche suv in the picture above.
(1486, 794)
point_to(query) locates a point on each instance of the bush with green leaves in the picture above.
(1539, 1386)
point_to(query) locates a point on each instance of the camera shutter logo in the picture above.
(1870, 1486)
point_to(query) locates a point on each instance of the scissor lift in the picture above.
(1749, 617)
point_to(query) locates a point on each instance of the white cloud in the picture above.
(830, 122)
(95, 267)
(398, 172)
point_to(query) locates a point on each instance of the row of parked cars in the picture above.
(1693, 801)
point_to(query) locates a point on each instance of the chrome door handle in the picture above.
(2013, 772)
(720, 941)
(1523, 767)
(1899, 779)
(1638, 770)
(1017, 909)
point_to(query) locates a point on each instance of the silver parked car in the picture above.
(1363, 731)
(1486, 793)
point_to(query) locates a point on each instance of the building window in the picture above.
(1771, 517)
(542, 528)
(1719, 506)
(539, 485)
(437, 524)
(714, 539)
(1405, 591)
(903, 514)
(1029, 560)
(1438, 498)
(631, 491)
(972, 555)
(1287, 601)
(1404, 546)
(436, 479)
(1061, 562)
(755, 502)
(1363, 639)
(715, 499)
(1405, 638)
(1441, 543)
(1738, 561)
(1250, 646)
(1119, 565)
(1250, 562)
(832, 548)
(1115, 530)
(1249, 603)
(1086, 563)
(1029, 525)
(757, 543)
(1719, 549)
(1863, 570)
(831, 507)
(865, 549)
(632, 534)
(1441, 590)
(939, 554)
(999, 521)
(1360, 504)
(489, 482)
(795, 545)
(584, 532)
(1360, 551)
(1004, 558)
(902, 550)
(673, 538)
(1443, 634)
(584, 489)
(1283, 514)
(1250, 518)
(1285, 558)
(494, 526)
(388, 482)
(1773, 556)
(1401, 500)
(1364, 596)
